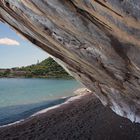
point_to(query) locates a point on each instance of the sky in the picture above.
(16, 51)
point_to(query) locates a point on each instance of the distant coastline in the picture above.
(48, 68)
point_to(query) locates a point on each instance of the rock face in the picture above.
(97, 40)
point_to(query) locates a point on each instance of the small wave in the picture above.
(28, 114)
(57, 106)
(51, 105)
(12, 123)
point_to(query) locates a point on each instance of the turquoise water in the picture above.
(20, 98)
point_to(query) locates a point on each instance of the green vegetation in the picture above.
(46, 69)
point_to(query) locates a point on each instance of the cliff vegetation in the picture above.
(48, 68)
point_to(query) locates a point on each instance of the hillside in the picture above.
(48, 68)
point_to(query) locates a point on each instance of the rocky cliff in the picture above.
(97, 40)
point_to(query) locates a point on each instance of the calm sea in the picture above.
(20, 98)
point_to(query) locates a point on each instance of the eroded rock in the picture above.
(97, 40)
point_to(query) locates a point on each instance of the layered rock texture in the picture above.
(97, 40)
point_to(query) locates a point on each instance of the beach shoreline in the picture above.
(20, 98)
(78, 93)
(83, 118)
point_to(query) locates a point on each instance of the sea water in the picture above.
(20, 98)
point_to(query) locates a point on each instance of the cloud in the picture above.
(8, 41)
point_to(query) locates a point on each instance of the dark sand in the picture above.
(81, 119)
